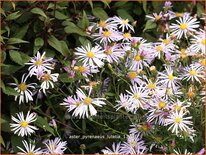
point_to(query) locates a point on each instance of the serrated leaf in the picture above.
(16, 57)
(10, 91)
(38, 43)
(39, 12)
(60, 46)
(60, 15)
(124, 14)
(43, 124)
(13, 16)
(100, 13)
(16, 41)
(72, 28)
(149, 25)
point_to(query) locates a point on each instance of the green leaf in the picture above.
(84, 21)
(124, 14)
(20, 33)
(66, 79)
(43, 123)
(16, 41)
(5, 123)
(2, 141)
(10, 91)
(9, 69)
(72, 28)
(145, 6)
(13, 16)
(200, 10)
(38, 43)
(60, 46)
(100, 13)
(25, 58)
(60, 15)
(120, 4)
(39, 12)
(16, 141)
(149, 25)
(16, 57)
(3, 56)
(84, 41)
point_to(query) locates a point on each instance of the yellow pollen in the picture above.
(76, 68)
(203, 62)
(137, 57)
(90, 54)
(203, 41)
(132, 75)
(133, 143)
(82, 69)
(193, 72)
(22, 86)
(158, 17)
(77, 103)
(161, 104)
(178, 120)
(87, 100)
(136, 96)
(127, 35)
(190, 94)
(171, 77)
(144, 127)
(177, 107)
(166, 41)
(159, 48)
(183, 26)
(107, 33)
(46, 77)
(30, 153)
(38, 63)
(24, 124)
(108, 52)
(102, 24)
(151, 85)
(125, 21)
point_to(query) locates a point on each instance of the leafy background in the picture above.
(58, 28)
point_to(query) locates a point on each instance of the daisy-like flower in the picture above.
(179, 152)
(113, 53)
(122, 24)
(134, 145)
(22, 125)
(134, 77)
(167, 78)
(138, 97)
(178, 105)
(48, 80)
(29, 148)
(91, 55)
(105, 24)
(123, 102)
(39, 63)
(115, 149)
(141, 129)
(194, 72)
(86, 104)
(71, 103)
(186, 25)
(199, 42)
(178, 122)
(55, 146)
(25, 94)
(85, 70)
(155, 17)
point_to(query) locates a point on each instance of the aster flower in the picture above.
(115, 149)
(134, 77)
(85, 70)
(155, 16)
(47, 80)
(86, 104)
(22, 125)
(29, 148)
(39, 63)
(24, 90)
(141, 128)
(55, 146)
(71, 103)
(123, 102)
(122, 24)
(186, 25)
(105, 24)
(91, 55)
(198, 42)
(178, 122)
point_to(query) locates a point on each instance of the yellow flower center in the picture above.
(177, 107)
(159, 48)
(171, 77)
(161, 104)
(90, 54)
(132, 75)
(151, 85)
(22, 86)
(108, 52)
(137, 57)
(166, 41)
(107, 33)
(30, 153)
(178, 14)
(46, 77)
(193, 72)
(126, 35)
(203, 41)
(102, 24)
(158, 17)
(136, 96)
(144, 127)
(38, 63)
(133, 143)
(87, 100)
(183, 26)
(24, 124)
(82, 69)
(125, 21)
(178, 120)
(203, 62)
(183, 54)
